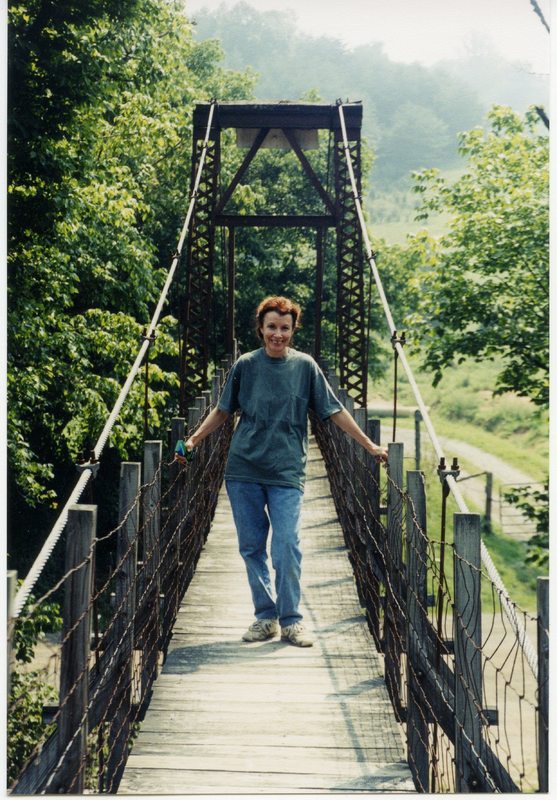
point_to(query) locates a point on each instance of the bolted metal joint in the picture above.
(395, 339)
(92, 465)
(444, 473)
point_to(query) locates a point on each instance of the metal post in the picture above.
(468, 642)
(416, 615)
(231, 312)
(417, 438)
(318, 293)
(74, 662)
(123, 630)
(488, 500)
(543, 683)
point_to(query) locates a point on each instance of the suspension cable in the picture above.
(506, 602)
(51, 540)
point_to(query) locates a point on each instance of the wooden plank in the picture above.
(265, 716)
(74, 671)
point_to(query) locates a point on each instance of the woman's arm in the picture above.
(345, 422)
(214, 420)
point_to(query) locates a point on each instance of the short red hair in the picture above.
(283, 306)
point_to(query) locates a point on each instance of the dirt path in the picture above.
(474, 489)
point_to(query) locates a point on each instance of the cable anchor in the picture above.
(398, 339)
(146, 338)
(92, 465)
(444, 473)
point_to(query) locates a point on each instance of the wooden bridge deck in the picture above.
(267, 717)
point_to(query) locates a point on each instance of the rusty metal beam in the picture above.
(308, 169)
(242, 170)
(276, 221)
(351, 305)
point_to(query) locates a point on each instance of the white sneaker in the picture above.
(296, 634)
(260, 630)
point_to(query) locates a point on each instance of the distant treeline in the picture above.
(412, 114)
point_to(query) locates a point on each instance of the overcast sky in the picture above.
(419, 30)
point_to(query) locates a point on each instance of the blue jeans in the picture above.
(256, 507)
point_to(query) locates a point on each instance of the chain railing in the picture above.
(117, 621)
(474, 711)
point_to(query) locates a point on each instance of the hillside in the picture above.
(412, 114)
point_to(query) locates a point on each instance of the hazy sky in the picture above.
(419, 30)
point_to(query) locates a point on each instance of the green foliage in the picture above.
(534, 504)
(99, 168)
(25, 726)
(412, 114)
(488, 292)
(28, 690)
(31, 627)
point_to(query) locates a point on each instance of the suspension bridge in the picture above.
(425, 675)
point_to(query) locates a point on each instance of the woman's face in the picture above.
(277, 331)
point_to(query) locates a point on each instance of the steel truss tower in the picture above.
(263, 122)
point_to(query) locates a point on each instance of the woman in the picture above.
(274, 387)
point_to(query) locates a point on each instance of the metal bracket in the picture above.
(398, 339)
(92, 465)
(444, 473)
(150, 338)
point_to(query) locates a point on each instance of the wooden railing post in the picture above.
(417, 728)
(170, 571)
(393, 562)
(374, 560)
(123, 630)
(467, 646)
(150, 596)
(74, 662)
(543, 684)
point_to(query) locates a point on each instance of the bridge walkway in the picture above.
(267, 717)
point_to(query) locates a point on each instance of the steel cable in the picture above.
(54, 535)
(528, 647)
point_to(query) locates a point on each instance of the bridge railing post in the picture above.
(361, 465)
(171, 540)
(394, 612)
(374, 548)
(417, 728)
(123, 630)
(467, 647)
(74, 661)
(150, 587)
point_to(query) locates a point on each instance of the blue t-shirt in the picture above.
(274, 396)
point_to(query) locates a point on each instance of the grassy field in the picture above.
(462, 407)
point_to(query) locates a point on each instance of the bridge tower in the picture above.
(293, 125)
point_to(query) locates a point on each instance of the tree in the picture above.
(488, 293)
(100, 104)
